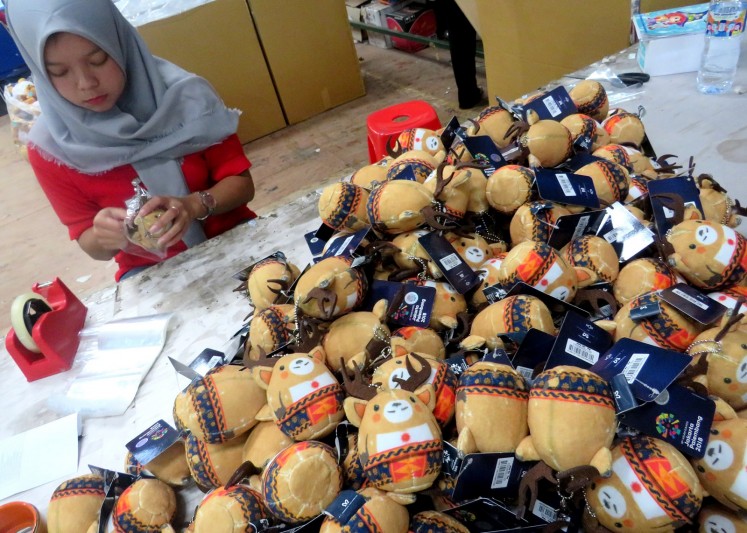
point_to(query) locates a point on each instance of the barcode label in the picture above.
(565, 184)
(634, 366)
(614, 236)
(551, 106)
(524, 371)
(584, 353)
(544, 512)
(583, 222)
(502, 473)
(451, 261)
(690, 299)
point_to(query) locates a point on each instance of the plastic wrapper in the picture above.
(137, 227)
(23, 110)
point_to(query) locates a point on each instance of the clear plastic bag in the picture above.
(23, 110)
(137, 228)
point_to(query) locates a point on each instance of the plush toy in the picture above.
(491, 408)
(330, 288)
(652, 488)
(75, 504)
(591, 99)
(270, 329)
(547, 143)
(571, 417)
(264, 442)
(267, 279)
(624, 128)
(513, 315)
(389, 374)
(509, 188)
(539, 265)
(399, 440)
(412, 257)
(535, 221)
(422, 139)
(709, 255)
(616, 153)
(723, 469)
(450, 186)
(414, 339)
(352, 469)
(212, 465)
(473, 248)
(728, 297)
(220, 406)
(593, 258)
(670, 329)
(642, 276)
(715, 518)
(371, 175)
(230, 509)
(494, 121)
(342, 206)
(580, 125)
(303, 396)
(301, 481)
(383, 512)
(170, 466)
(348, 336)
(611, 180)
(146, 505)
(488, 273)
(140, 233)
(717, 204)
(436, 522)
(477, 200)
(447, 304)
(396, 206)
(421, 162)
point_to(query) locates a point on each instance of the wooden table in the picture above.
(198, 288)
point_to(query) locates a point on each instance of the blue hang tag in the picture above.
(693, 303)
(452, 130)
(345, 244)
(457, 364)
(579, 160)
(627, 235)
(552, 105)
(407, 173)
(409, 304)
(579, 343)
(344, 507)
(316, 240)
(679, 416)
(566, 188)
(646, 306)
(452, 458)
(533, 353)
(489, 474)
(456, 271)
(570, 227)
(664, 193)
(648, 369)
(622, 393)
(556, 307)
(243, 274)
(485, 152)
(498, 356)
(153, 442)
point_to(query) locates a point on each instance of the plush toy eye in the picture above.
(692, 247)
(282, 367)
(412, 399)
(399, 362)
(701, 469)
(618, 524)
(727, 380)
(376, 407)
(714, 432)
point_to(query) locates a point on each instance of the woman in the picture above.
(111, 113)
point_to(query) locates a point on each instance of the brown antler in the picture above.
(357, 386)
(528, 487)
(245, 469)
(574, 479)
(593, 297)
(417, 378)
(310, 333)
(262, 361)
(734, 319)
(396, 151)
(326, 298)
(442, 183)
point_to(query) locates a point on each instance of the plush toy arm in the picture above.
(602, 461)
(526, 451)
(466, 442)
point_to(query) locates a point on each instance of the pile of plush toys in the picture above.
(444, 364)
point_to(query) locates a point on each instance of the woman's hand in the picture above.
(108, 228)
(179, 214)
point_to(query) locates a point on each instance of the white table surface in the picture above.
(197, 285)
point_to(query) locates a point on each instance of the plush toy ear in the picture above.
(265, 414)
(526, 451)
(449, 322)
(318, 353)
(354, 409)
(262, 375)
(427, 395)
(472, 342)
(380, 308)
(724, 411)
(402, 499)
(399, 351)
(583, 274)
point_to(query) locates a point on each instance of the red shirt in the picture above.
(77, 197)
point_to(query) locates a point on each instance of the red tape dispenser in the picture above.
(45, 326)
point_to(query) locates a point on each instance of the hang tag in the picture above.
(487, 515)
(532, 353)
(678, 416)
(489, 474)
(693, 303)
(579, 343)
(409, 304)
(496, 292)
(646, 306)
(566, 188)
(570, 227)
(455, 270)
(457, 364)
(200, 365)
(243, 274)
(583, 143)
(498, 356)
(452, 130)
(648, 369)
(407, 173)
(647, 148)
(153, 442)
(552, 105)
(591, 299)
(682, 187)
(627, 235)
(345, 244)
(622, 394)
(451, 461)
(484, 151)
(558, 308)
(342, 431)
(114, 484)
(317, 239)
(344, 507)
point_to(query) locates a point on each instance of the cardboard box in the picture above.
(530, 43)
(354, 9)
(217, 41)
(375, 14)
(310, 54)
(414, 18)
(671, 40)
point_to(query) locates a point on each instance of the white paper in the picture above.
(39, 456)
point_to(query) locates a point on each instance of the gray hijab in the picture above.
(163, 114)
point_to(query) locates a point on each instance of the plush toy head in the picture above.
(571, 418)
(616, 153)
(220, 406)
(535, 221)
(371, 175)
(549, 143)
(495, 122)
(330, 288)
(709, 255)
(422, 139)
(590, 99)
(270, 329)
(342, 207)
(304, 396)
(593, 258)
(723, 469)
(212, 465)
(414, 339)
(726, 354)
(264, 442)
(715, 518)
(641, 276)
(421, 162)
(491, 409)
(383, 512)
(539, 265)
(436, 522)
(146, 503)
(75, 504)
(450, 187)
(624, 128)
(611, 180)
(412, 256)
(652, 488)
(509, 187)
(396, 206)
(349, 335)
(301, 481)
(399, 440)
(447, 304)
(267, 279)
(583, 125)
(230, 509)
(513, 315)
(471, 247)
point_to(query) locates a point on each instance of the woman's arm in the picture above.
(106, 237)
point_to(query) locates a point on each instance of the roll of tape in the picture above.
(24, 312)
(20, 517)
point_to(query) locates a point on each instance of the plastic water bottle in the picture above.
(724, 29)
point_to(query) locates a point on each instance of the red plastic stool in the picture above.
(391, 121)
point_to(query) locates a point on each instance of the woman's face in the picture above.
(83, 73)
